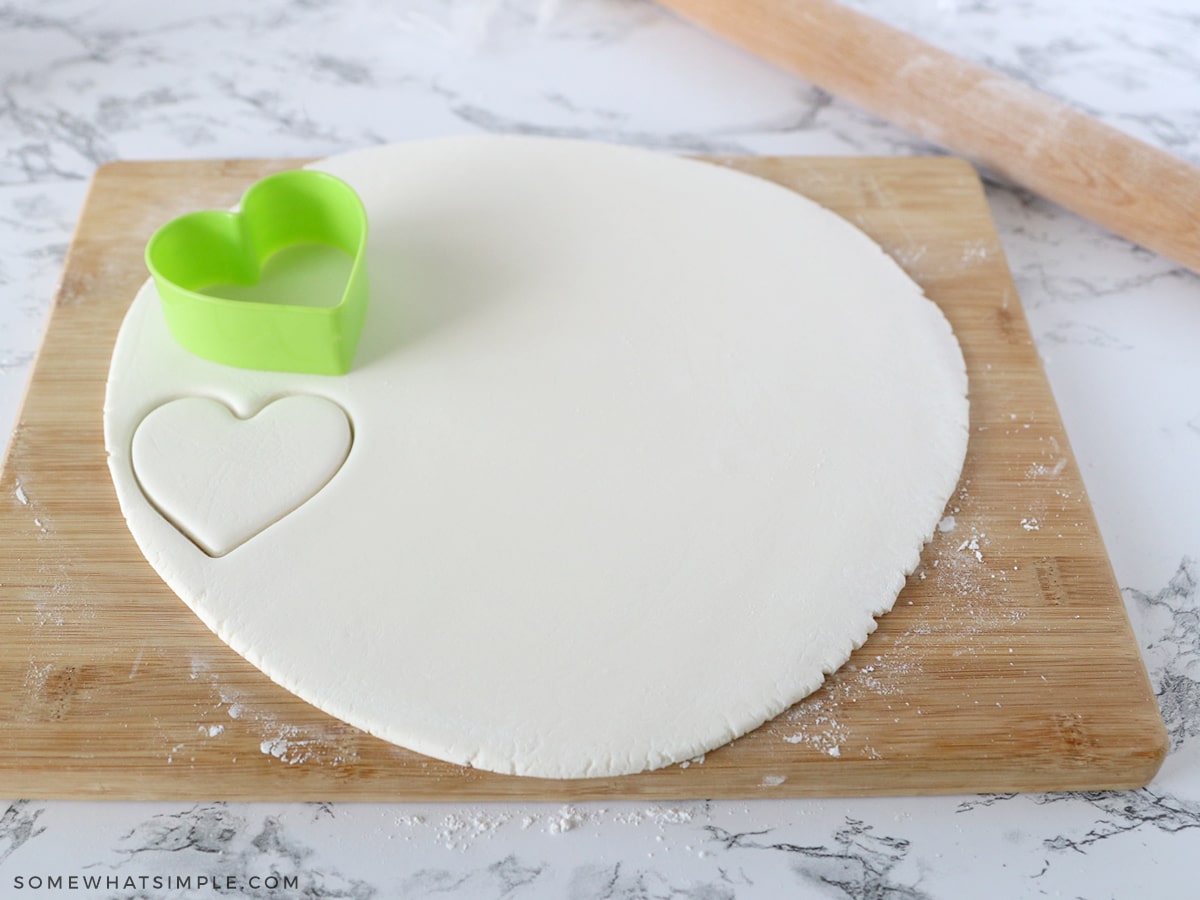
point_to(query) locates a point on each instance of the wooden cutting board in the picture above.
(1008, 663)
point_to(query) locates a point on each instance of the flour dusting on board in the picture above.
(963, 593)
(57, 601)
(36, 677)
(971, 545)
(39, 518)
(814, 722)
(291, 745)
(1039, 470)
(288, 743)
(52, 607)
(973, 252)
(910, 255)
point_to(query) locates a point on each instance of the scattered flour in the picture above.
(1038, 470)
(773, 780)
(290, 747)
(661, 816)
(698, 760)
(1030, 524)
(36, 677)
(907, 256)
(462, 829)
(22, 497)
(52, 608)
(969, 596)
(291, 744)
(972, 544)
(225, 698)
(974, 251)
(819, 729)
(568, 819)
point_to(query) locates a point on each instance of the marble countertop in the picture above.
(1118, 329)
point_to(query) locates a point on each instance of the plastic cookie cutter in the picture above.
(202, 251)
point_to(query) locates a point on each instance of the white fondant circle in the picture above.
(641, 447)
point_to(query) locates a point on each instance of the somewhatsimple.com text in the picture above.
(214, 883)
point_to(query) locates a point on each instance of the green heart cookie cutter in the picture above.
(202, 250)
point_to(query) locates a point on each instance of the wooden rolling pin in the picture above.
(1136, 190)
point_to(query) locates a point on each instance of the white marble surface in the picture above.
(1118, 328)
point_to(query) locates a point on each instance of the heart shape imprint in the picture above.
(195, 257)
(221, 480)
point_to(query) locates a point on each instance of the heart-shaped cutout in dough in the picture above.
(221, 479)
